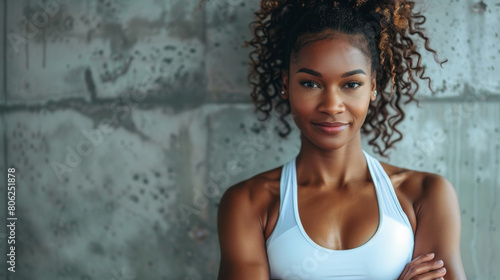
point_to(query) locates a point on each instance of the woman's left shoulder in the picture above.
(420, 185)
(437, 191)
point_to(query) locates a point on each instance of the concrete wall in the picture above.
(126, 120)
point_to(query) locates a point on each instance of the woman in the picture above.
(341, 68)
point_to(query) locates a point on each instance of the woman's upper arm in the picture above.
(241, 238)
(439, 225)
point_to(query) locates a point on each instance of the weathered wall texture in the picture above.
(126, 120)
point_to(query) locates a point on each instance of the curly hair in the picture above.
(389, 28)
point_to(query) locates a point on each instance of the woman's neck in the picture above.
(330, 169)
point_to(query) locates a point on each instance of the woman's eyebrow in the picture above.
(347, 74)
(310, 71)
(354, 72)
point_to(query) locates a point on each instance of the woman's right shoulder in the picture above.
(241, 225)
(257, 192)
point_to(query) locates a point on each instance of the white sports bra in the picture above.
(293, 255)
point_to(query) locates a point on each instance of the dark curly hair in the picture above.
(283, 27)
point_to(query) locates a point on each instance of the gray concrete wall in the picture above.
(126, 120)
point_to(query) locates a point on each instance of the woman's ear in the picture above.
(284, 87)
(373, 97)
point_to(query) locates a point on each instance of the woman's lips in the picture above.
(331, 128)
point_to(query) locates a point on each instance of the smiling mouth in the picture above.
(331, 128)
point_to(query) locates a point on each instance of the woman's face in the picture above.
(330, 87)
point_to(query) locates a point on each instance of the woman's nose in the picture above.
(331, 102)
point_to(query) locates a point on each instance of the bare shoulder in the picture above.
(437, 192)
(255, 187)
(421, 187)
(255, 193)
(241, 222)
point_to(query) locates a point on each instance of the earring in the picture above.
(283, 92)
(375, 93)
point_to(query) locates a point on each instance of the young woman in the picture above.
(342, 69)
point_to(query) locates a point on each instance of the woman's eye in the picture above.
(353, 85)
(309, 84)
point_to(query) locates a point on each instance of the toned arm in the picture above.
(241, 237)
(439, 225)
